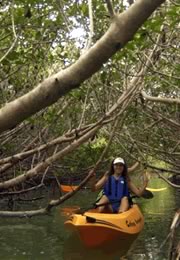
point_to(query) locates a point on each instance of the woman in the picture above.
(116, 184)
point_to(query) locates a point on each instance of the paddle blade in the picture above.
(147, 194)
(68, 188)
(156, 190)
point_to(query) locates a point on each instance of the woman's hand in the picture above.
(146, 178)
(139, 191)
(100, 183)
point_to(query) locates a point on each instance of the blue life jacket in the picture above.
(116, 189)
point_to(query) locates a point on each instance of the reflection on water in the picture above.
(158, 213)
(44, 238)
(74, 249)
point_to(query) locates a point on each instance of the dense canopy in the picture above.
(77, 77)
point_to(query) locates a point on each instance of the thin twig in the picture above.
(169, 182)
(91, 25)
(110, 8)
(15, 38)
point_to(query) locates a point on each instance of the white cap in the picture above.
(119, 160)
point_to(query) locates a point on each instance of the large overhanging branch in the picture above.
(41, 166)
(68, 137)
(123, 101)
(10, 164)
(59, 201)
(46, 210)
(53, 203)
(121, 31)
(28, 151)
(74, 133)
(71, 147)
(23, 155)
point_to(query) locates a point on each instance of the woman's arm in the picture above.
(96, 186)
(133, 167)
(138, 191)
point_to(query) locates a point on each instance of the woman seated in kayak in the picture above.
(116, 184)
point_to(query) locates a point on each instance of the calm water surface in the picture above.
(45, 237)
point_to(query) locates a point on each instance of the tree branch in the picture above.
(169, 182)
(160, 99)
(51, 89)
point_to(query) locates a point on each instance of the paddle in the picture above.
(95, 206)
(76, 210)
(146, 195)
(156, 189)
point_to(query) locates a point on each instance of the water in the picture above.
(45, 237)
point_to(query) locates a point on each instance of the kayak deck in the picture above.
(97, 229)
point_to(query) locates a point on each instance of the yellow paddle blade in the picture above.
(154, 189)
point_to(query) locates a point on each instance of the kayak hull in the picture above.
(99, 229)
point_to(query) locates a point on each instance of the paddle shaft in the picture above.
(99, 205)
(106, 203)
(146, 195)
(115, 201)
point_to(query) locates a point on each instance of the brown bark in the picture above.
(122, 30)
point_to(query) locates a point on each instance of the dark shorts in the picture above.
(115, 206)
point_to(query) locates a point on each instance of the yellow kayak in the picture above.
(98, 229)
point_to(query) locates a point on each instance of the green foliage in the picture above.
(46, 43)
(99, 143)
(158, 163)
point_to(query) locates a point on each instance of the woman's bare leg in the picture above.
(104, 200)
(124, 206)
